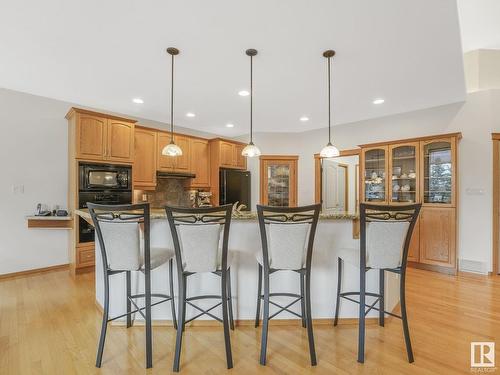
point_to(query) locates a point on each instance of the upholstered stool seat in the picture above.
(159, 256)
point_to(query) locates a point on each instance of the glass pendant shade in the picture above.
(329, 151)
(250, 150)
(171, 150)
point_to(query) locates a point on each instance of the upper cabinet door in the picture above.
(278, 181)
(227, 154)
(200, 162)
(374, 175)
(90, 137)
(403, 168)
(439, 172)
(120, 141)
(240, 160)
(164, 163)
(182, 163)
(144, 173)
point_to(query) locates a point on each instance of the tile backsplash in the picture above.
(168, 192)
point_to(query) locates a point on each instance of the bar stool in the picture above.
(287, 235)
(200, 237)
(385, 236)
(118, 230)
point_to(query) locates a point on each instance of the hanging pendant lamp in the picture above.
(250, 149)
(329, 151)
(172, 149)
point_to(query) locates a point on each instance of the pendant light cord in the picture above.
(172, 103)
(329, 105)
(251, 99)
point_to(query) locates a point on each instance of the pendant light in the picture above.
(250, 149)
(329, 151)
(172, 149)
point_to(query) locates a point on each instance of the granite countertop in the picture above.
(159, 213)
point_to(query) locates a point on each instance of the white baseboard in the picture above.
(475, 266)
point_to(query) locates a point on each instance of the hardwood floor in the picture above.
(49, 324)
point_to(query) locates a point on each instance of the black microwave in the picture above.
(105, 177)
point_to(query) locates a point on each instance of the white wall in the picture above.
(34, 153)
(476, 119)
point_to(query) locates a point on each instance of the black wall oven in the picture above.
(102, 184)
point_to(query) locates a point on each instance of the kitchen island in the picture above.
(334, 232)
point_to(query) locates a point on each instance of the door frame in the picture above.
(496, 202)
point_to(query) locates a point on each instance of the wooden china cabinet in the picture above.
(278, 180)
(419, 170)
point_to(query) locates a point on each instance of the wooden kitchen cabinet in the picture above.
(174, 163)
(418, 170)
(99, 137)
(120, 141)
(227, 157)
(144, 173)
(183, 162)
(437, 236)
(278, 180)
(90, 136)
(240, 160)
(200, 162)
(414, 249)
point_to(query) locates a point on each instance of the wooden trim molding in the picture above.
(496, 202)
(73, 110)
(317, 171)
(457, 135)
(34, 271)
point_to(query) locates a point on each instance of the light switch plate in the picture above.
(474, 191)
(18, 189)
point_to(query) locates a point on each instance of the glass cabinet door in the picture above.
(438, 172)
(279, 182)
(375, 175)
(404, 186)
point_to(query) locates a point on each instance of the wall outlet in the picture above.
(18, 189)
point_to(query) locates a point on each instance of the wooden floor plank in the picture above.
(49, 325)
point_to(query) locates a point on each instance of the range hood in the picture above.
(177, 175)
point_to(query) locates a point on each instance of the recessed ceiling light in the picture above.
(229, 125)
(378, 101)
(243, 93)
(304, 118)
(138, 101)
(190, 114)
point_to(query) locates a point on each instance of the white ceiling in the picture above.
(480, 24)
(104, 53)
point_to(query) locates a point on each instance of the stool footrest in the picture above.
(370, 307)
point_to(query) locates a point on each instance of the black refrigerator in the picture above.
(234, 186)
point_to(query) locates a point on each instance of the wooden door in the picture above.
(120, 141)
(182, 163)
(414, 250)
(403, 181)
(200, 162)
(278, 180)
(240, 160)
(164, 163)
(144, 173)
(90, 137)
(437, 236)
(227, 154)
(374, 174)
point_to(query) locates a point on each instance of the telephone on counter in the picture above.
(41, 212)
